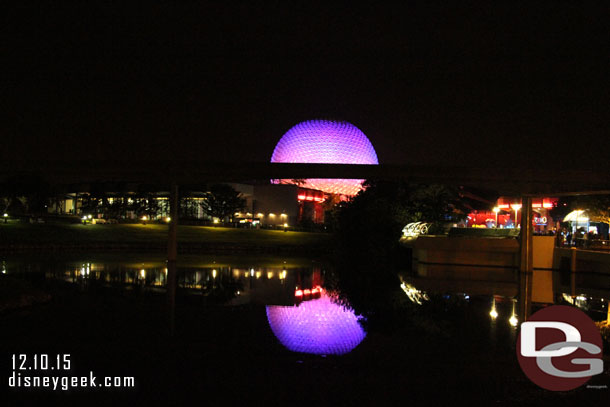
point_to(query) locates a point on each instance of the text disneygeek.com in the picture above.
(25, 367)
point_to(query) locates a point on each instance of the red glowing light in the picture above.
(298, 293)
(307, 292)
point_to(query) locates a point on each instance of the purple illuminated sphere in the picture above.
(326, 142)
(317, 326)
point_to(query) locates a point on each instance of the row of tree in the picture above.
(596, 206)
(368, 252)
(32, 196)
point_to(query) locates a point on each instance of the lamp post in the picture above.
(516, 208)
(496, 210)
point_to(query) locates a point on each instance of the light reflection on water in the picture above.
(318, 326)
(302, 319)
(231, 285)
(587, 291)
(299, 312)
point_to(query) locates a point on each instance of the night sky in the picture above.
(470, 85)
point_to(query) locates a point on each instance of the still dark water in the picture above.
(300, 311)
(255, 321)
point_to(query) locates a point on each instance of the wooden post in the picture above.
(172, 252)
(526, 260)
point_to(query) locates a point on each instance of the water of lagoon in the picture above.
(302, 315)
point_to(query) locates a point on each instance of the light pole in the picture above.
(496, 210)
(516, 208)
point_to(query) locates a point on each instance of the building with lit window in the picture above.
(507, 214)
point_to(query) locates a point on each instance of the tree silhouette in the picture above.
(222, 201)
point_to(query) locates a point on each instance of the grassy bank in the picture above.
(24, 235)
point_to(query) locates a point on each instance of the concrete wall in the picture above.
(433, 251)
(587, 261)
(493, 263)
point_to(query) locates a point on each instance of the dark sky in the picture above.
(469, 85)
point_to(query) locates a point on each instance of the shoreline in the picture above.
(183, 248)
(23, 238)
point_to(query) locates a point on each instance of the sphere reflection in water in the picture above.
(317, 326)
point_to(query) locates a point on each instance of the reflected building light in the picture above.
(513, 318)
(493, 313)
(317, 326)
(251, 272)
(283, 275)
(258, 274)
(214, 273)
(269, 275)
(414, 294)
(143, 273)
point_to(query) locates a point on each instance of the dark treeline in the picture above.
(368, 252)
(32, 196)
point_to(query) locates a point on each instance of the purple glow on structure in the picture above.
(326, 142)
(318, 326)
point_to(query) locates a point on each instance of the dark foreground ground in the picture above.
(228, 356)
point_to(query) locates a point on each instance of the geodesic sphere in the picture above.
(326, 142)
